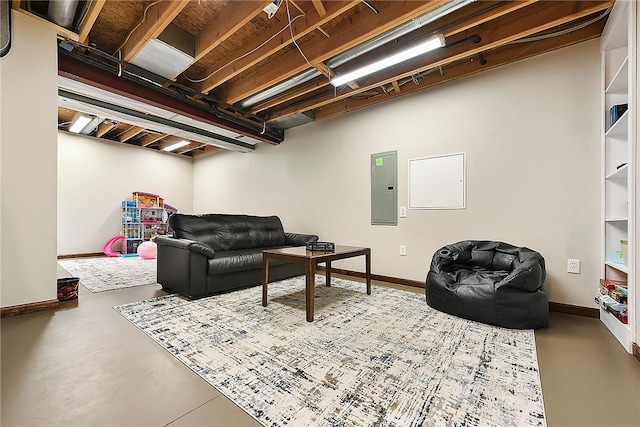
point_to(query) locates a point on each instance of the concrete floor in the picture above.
(85, 365)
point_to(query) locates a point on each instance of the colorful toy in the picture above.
(147, 250)
(107, 249)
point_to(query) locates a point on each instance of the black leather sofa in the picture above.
(214, 253)
(489, 282)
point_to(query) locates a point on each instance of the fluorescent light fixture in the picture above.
(80, 122)
(394, 59)
(176, 146)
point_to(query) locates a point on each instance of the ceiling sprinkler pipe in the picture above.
(357, 51)
(62, 12)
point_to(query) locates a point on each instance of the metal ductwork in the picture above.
(62, 12)
(357, 51)
(168, 55)
(95, 88)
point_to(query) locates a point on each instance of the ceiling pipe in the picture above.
(356, 51)
(82, 68)
(62, 12)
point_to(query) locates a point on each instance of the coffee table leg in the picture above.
(310, 292)
(265, 279)
(367, 260)
(328, 273)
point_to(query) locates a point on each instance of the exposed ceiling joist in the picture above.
(269, 44)
(464, 68)
(348, 34)
(158, 16)
(494, 34)
(230, 20)
(248, 69)
(87, 22)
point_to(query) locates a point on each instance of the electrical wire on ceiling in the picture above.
(416, 77)
(163, 84)
(293, 39)
(565, 31)
(144, 17)
(244, 55)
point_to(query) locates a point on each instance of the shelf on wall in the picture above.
(621, 173)
(620, 128)
(615, 265)
(621, 219)
(619, 83)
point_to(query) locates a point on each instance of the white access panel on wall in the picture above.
(437, 182)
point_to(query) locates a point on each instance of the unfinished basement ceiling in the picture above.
(233, 74)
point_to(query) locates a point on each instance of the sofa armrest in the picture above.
(297, 239)
(190, 245)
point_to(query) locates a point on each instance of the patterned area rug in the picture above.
(106, 274)
(382, 360)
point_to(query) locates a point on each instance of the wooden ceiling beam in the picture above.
(205, 150)
(349, 33)
(504, 55)
(492, 13)
(130, 133)
(236, 15)
(150, 138)
(105, 127)
(159, 16)
(89, 19)
(268, 44)
(451, 25)
(525, 22)
(319, 7)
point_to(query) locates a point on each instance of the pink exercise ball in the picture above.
(147, 250)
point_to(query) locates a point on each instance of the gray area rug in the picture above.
(106, 274)
(382, 360)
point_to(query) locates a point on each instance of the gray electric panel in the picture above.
(384, 188)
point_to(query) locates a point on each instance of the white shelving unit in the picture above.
(619, 142)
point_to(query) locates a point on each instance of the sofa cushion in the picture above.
(225, 232)
(238, 260)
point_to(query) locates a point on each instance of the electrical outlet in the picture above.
(403, 212)
(403, 250)
(573, 266)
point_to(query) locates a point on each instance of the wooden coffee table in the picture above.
(311, 259)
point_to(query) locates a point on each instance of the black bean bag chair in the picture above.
(489, 282)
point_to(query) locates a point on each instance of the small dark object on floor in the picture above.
(68, 288)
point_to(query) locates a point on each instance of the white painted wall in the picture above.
(530, 131)
(29, 92)
(95, 176)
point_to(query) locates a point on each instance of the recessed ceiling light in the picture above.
(80, 122)
(176, 146)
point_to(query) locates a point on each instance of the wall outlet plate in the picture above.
(403, 212)
(573, 266)
(403, 250)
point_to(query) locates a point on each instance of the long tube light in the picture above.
(396, 58)
(176, 146)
